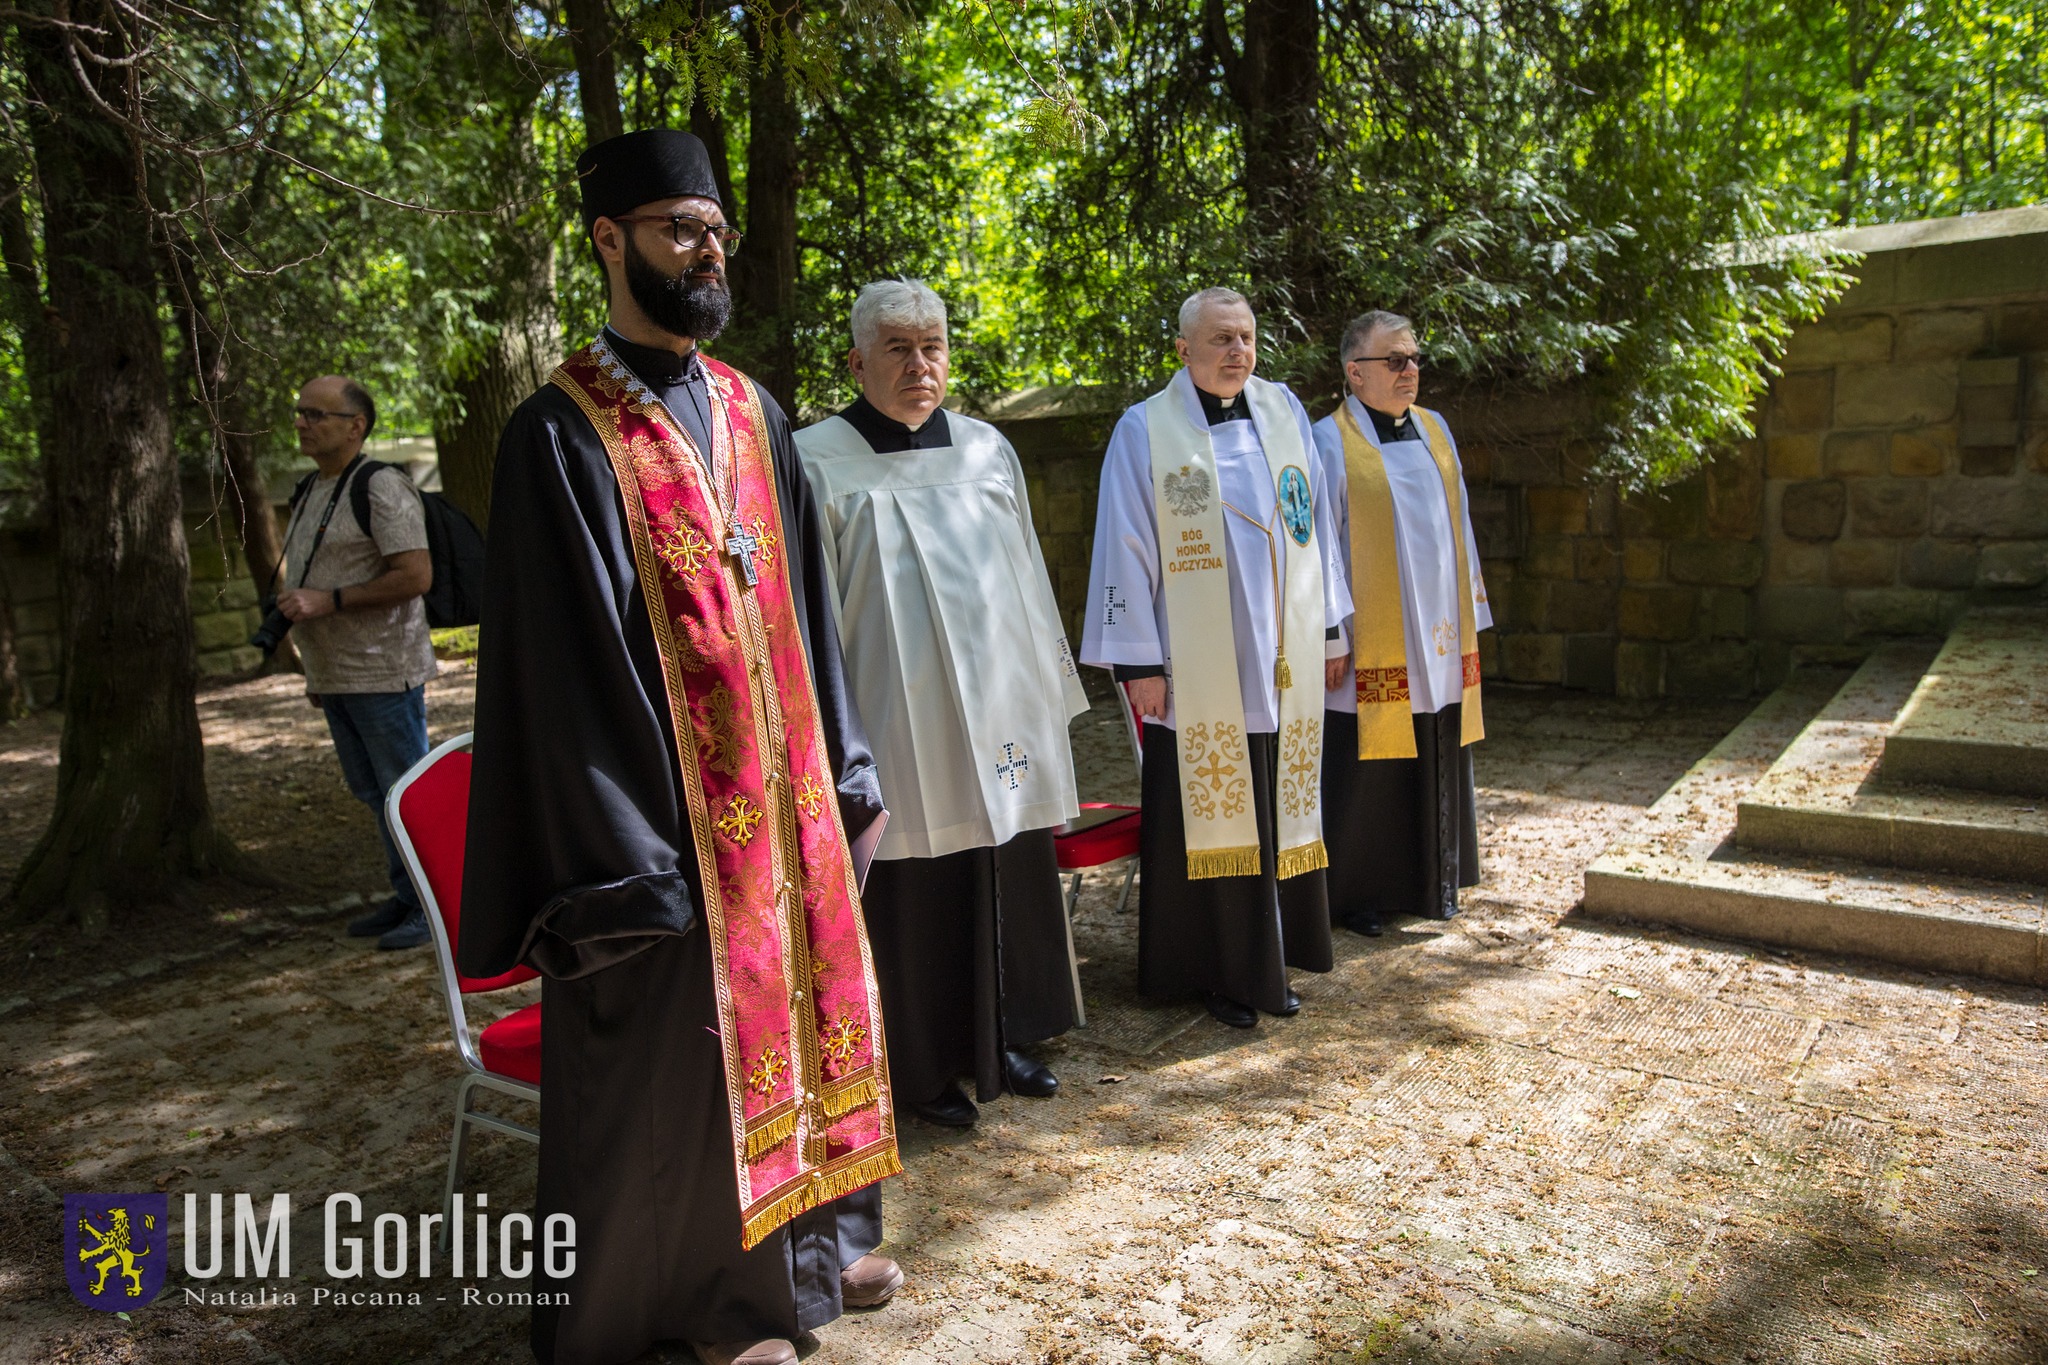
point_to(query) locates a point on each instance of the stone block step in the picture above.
(1821, 798)
(1679, 865)
(1979, 719)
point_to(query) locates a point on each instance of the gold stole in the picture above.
(1386, 728)
(1216, 799)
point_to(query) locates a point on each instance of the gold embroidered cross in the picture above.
(683, 551)
(841, 1038)
(767, 1072)
(810, 797)
(767, 541)
(737, 824)
(1216, 771)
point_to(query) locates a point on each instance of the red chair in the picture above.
(428, 811)
(1103, 836)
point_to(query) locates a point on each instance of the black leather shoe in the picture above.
(1033, 1080)
(1370, 927)
(1290, 1008)
(382, 920)
(1224, 1010)
(952, 1108)
(410, 933)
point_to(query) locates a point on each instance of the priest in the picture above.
(961, 670)
(1215, 598)
(668, 772)
(1397, 757)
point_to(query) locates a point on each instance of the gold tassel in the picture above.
(1306, 858)
(773, 1133)
(1223, 862)
(835, 1103)
(866, 1171)
(1283, 676)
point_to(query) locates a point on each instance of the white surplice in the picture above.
(1426, 552)
(1126, 610)
(952, 638)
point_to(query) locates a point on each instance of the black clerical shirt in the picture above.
(889, 436)
(677, 380)
(1219, 410)
(1387, 428)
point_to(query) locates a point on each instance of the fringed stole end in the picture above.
(876, 1166)
(1223, 862)
(837, 1102)
(771, 1133)
(1304, 858)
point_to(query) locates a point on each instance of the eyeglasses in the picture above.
(1394, 363)
(311, 415)
(689, 232)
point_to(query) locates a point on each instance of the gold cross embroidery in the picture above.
(767, 1072)
(841, 1038)
(683, 551)
(765, 539)
(810, 797)
(737, 824)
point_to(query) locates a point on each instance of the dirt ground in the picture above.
(1517, 1136)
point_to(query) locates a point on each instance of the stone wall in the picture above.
(1900, 473)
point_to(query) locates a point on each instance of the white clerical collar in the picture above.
(1370, 430)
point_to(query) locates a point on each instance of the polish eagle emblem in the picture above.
(1187, 491)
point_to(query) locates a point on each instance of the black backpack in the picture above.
(454, 545)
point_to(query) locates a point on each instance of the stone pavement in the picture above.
(1517, 1136)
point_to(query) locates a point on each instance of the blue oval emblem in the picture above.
(1295, 508)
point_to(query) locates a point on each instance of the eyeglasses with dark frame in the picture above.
(689, 237)
(1394, 363)
(312, 415)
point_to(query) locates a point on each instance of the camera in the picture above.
(276, 625)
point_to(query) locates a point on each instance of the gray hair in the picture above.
(1192, 306)
(1360, 330)
(895, 303)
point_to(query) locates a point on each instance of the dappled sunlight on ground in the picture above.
(1514, 1136)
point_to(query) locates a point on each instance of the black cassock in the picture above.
(1403, 833)
(1236, 936)
(580, 863)
(970, 948)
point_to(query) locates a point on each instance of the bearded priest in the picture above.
(1397, 761)
(962, 673)
(669, 771)
(1215, 598)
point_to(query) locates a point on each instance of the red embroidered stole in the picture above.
(806, 1074)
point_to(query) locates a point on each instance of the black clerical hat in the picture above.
(621, 173)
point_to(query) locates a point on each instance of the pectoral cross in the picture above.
(742, 545)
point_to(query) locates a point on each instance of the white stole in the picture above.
(1216, 798)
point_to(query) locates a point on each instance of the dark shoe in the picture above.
(952, 1108)
(1290, 1008)
(869, 1282)
(1227, 1011)
(773, 1351)
(1028, 1078)
(1366, 925)
(382, 920)
(410, 933)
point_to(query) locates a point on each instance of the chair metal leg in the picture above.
(1073, 894)
(1123, 899)
(458, 1154)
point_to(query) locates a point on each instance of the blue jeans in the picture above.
(379, 736)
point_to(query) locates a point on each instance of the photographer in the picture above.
(354, 608)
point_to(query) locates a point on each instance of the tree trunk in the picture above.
(132, 819)
(1275, 79)
(524, 347)
(13, 696)
(591, 39)
(218, 380)
(763, 335)
(450, 63)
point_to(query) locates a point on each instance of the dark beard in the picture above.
(678, 304)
